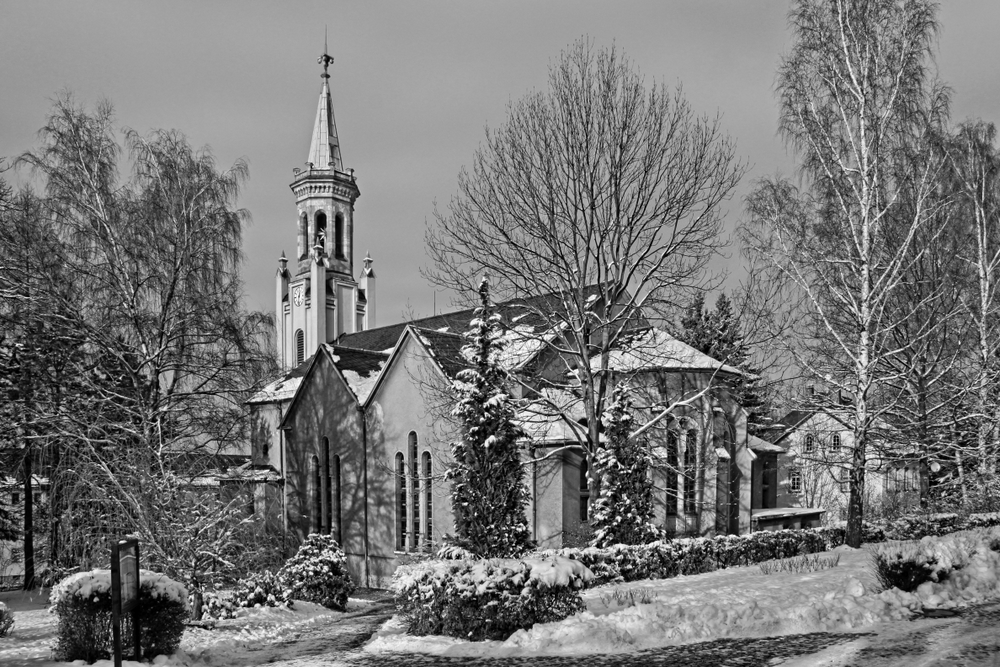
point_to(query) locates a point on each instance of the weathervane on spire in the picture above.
(325, 60)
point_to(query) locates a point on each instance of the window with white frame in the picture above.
(810, 446)
(795, 480)
(835, 443)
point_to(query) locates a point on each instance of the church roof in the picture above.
(324, 149)
(446, 348)
(653, 349)
(522, 314)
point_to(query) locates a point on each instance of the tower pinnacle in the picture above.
(324, 150)
(325, 60)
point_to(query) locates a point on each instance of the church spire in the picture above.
(324, 149)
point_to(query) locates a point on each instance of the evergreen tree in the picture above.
(717, 334)
(623, 514)
(488, 493)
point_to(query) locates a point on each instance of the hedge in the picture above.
(488, 599)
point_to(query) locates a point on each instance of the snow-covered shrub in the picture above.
(83, 603)
(218, 605)
(452, 551)
(488, 599)
(317, 573)
(901, 567)
(263, 589)
(687, 556)
(6, 620)
(836, 535)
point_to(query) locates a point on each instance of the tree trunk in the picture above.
(29, 542)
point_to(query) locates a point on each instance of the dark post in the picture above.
(125, 595)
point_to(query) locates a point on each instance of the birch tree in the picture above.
(975, 176)
(854, 94)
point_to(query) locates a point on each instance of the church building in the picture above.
(358, 424)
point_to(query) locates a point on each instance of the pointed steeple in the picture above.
(324, 149)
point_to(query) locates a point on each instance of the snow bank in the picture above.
(740, 602)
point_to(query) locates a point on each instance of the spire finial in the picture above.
(325, 60)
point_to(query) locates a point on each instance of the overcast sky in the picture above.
(414, 85)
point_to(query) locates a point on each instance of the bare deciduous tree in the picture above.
(600, 191)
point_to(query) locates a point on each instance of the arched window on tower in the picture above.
(300, 347)
(303, 236)
(338, 240)
(320, 239)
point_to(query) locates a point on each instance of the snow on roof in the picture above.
(760, 445)
(655, 349)
(281, 389)
(520, 345)
(362, 385)
(544, 420)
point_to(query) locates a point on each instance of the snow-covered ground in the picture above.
(234, 642)
(737, 602)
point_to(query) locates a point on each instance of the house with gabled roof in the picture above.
(812, 470)
(357, 427)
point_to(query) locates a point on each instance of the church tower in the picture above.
(317, 297)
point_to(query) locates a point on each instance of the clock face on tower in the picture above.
(297, 295)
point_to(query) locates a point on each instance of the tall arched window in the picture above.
(671, 476)
(428, 501)
(338, 241)
(415, 491)
(338, 530)
(690, 471)
(315, 495)
(300, 347)
(327, 490)
(584, 490)
(320, 237)
(835, 443)
(810, 444)
(400, 502)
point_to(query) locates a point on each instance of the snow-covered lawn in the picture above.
(736, 602)
(237, 641)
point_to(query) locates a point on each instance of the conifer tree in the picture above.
(623, 514)
(717, 333)
(488, 493)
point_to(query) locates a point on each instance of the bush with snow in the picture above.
(317, 573)
(262, 589)
(83, 603)
(488, 599)
(687, 556)
(6, 620)
(218, 605)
